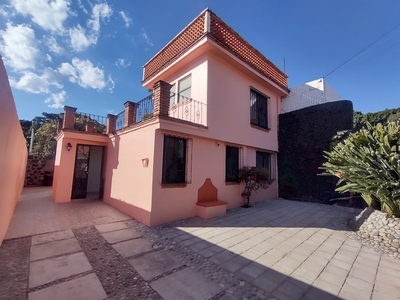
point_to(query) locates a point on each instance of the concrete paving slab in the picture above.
(227, 297)
(54, 248)
(185, 284)
(133, 247)
(48, 270)
(83, 288)
(251, 271)
(154, 264)
(120, 235)
(111, 227)
(51, 237)
(37, 213)
(352, 292)
(235, 263)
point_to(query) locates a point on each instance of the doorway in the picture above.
(88, 181)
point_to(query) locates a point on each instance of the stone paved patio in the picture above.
(292, 250)
(37, 213)
(277, 249)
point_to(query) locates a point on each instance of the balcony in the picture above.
(183, 108)
(187, 109)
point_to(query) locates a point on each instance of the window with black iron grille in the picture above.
(174, 160)
(258, 109)
(232, 164)
(263, 160)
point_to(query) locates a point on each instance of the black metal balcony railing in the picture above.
(184, 108)
(119, 124)
(145, 109)
(81, 119)
(187, 109)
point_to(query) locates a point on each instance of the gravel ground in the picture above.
(118, 278)
(14, 262)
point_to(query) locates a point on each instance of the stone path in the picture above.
(277, 249)
(291, 250)
(108, 261)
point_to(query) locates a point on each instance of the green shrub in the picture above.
(368, 162)
(254, 179)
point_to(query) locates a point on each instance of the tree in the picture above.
(45, 144)
(26, 130)
(254, 179)
(383, 116)
(368, 163)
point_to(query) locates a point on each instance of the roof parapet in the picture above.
(208, 23)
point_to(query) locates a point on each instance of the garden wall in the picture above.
(39, 171)
(13, 153)
(303, 137)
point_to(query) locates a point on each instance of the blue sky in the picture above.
(89, 54)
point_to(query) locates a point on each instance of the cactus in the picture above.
(368, 162)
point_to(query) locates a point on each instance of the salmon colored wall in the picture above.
(198, 70)
(13, 154)
(227, 94)
(128, 185)
(207, 161)
(229, 107)
(65, 161)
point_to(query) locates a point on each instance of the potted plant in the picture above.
(254, 179)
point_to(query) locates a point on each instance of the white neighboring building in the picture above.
(309, 94)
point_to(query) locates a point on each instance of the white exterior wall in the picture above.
(309, 94)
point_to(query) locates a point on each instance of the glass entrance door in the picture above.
(79, 187)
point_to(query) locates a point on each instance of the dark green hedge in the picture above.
(303, 136)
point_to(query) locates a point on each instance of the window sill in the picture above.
(260, 128)
(232, 182)
(173, 185)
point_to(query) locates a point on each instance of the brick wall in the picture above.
(34, 175)
(223, 35)
(234, 43)
(175, 48)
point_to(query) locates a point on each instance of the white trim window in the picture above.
(185, 88)
(172, 95)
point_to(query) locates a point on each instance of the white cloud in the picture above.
(110, 111)
(122, 63)
(126, 19)
(6, 11)
(68, 70)
(56, 100)
(79, 40)
(82, 7)
(100, 11)
(49, 14)
(146, 38)
(111, 83)
(54, 47)
(48, 57)
(32, 83)
(19, 47)
(85, 74)
(88, 75)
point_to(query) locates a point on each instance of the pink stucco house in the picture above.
(214, 108)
